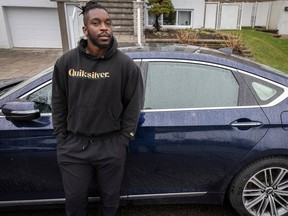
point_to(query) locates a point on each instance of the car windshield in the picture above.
(8, 90)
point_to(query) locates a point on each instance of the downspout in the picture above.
(139, 35)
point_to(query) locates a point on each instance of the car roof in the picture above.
(223, 57)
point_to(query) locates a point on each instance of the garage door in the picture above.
(34, 27)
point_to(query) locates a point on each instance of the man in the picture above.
(96, 100)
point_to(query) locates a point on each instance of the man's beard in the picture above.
(95, 41)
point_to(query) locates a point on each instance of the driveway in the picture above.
(18, 63)
(159, 210)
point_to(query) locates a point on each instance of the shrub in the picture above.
(187, 36)
(233, 40)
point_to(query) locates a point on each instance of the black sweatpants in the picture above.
(80, 159)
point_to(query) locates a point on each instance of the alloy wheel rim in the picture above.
(266, 192)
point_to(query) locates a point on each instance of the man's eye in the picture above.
(108, 23)
(96, 23)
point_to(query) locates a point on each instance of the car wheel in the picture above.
(261, 188)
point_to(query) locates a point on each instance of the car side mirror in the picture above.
(20, 111)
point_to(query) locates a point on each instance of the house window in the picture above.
(178, 18)
(170, 20)
(184, 18)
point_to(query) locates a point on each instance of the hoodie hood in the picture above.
(110, 52)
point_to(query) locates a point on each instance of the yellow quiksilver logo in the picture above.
(89, 75)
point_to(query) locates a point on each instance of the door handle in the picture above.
(245, 124)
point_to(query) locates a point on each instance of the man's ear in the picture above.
(85, 30)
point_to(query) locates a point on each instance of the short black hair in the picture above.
(89, 6)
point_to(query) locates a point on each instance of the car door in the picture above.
(198, 123)
(28, 165)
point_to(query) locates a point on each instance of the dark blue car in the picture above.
(213, 126)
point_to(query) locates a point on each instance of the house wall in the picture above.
(197, 5)
(28, 3)
(283, 19)
(271, 9)
(5, 41)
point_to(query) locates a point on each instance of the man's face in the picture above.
(98, 28)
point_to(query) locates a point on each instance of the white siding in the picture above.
(283, 20)
(263, 11)
(198, 7)
(211, 13)
(229, 16)
(247, 14)
(275, 14)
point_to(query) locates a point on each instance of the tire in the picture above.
(261, 189)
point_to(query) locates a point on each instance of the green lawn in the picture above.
(266, 48)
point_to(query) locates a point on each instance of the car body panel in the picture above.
(183, 142)
(28, 161)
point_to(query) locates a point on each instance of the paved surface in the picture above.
(18, 62)
(159, 210)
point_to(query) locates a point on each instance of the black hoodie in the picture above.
(96, 96)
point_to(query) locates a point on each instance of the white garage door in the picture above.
(34, 27)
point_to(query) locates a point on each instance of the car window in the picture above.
(42, 97)
(264, 91)
(174, 85)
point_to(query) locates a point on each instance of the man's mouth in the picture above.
(104, 36)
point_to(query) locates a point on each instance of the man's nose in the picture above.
(103, 26)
